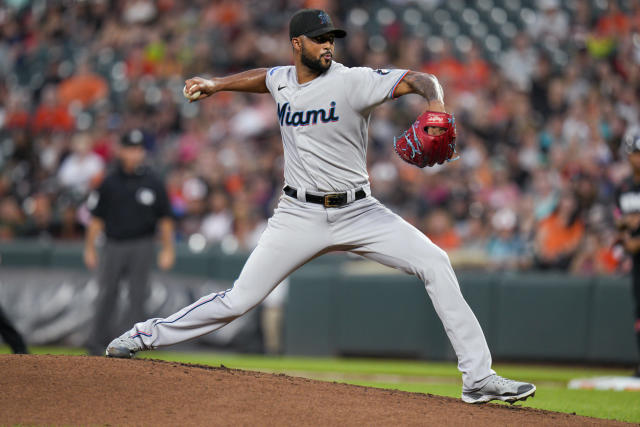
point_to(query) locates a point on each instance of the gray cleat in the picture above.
(123, 347)
(499, 388)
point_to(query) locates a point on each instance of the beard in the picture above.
(314, 64)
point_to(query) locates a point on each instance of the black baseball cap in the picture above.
(133, 138)
(313, 23)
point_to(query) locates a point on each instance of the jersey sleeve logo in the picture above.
(382, 71)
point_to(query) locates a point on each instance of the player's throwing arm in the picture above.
(197, 88)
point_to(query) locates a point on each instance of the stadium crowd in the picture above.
(540, 118)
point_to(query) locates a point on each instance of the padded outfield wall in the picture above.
(343, 305)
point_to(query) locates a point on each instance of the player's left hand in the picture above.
(166, 258)
(435, 130)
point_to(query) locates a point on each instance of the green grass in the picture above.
(440, 378)
(622, 406)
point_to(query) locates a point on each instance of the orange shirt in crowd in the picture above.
(556, 239)
(17, 119)
(458, 75)
(86, 88)
(476, 74)
(613, 24)
(52, 119)
(446, 240)
(607, 260)
(449, 70)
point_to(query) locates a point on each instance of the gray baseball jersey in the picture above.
(324, 123)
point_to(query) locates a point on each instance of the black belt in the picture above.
(329, 200)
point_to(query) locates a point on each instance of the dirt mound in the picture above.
(73, 390)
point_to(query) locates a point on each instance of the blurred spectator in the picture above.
(505, 248)
(40, 217)
(69, 226)
(51, 115)
(596, 256)
(539, 95)
(519, 62)
(81, 169)
(545, 195)
(139, 11)
(218, 223)
(559, 235)
(551, 23)
(614, 23)
(439, 228)
(15, 112)
(84, 86)
(473, 253)
(476, 70)
(582, 21)
(449, 69)
(11, 219)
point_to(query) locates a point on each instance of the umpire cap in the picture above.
(133, 138)
(313, 23)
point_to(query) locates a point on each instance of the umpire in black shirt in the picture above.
(129, 206)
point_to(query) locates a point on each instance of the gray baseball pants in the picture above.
(298, 232)
(121, 259)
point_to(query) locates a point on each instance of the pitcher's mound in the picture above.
(77, 390)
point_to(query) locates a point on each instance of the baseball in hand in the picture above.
(194, 96)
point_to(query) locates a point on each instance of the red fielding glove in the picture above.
(417, 147)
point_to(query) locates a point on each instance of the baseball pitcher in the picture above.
(323, 109)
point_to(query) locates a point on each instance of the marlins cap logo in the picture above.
(324, 18)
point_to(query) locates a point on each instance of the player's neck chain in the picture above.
(306, 117)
